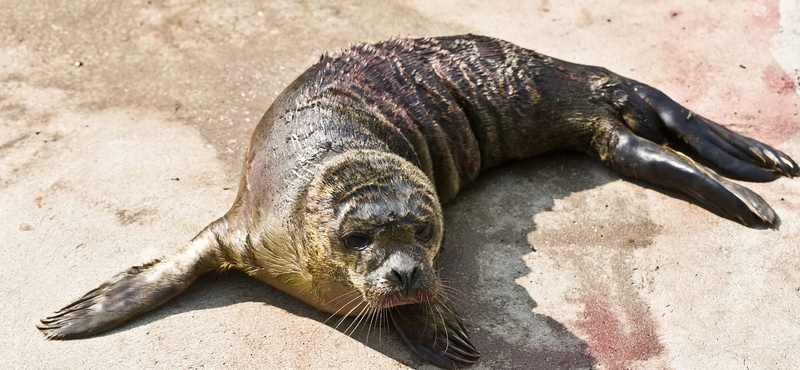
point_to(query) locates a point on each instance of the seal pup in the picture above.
(340, 199)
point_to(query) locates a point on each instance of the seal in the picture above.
(340, 198)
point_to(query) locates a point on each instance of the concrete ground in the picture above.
(123, 125)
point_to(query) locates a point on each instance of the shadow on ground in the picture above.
(486, 241)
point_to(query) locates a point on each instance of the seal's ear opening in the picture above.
(435, 332)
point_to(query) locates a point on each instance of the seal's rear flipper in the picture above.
(436, 333)
(734, 155)
(134, 291)
(639, 158)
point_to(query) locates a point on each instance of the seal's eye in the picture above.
(357, 241)
(424, 233)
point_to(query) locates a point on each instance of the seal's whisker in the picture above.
(357, 321)
(428, 317)
(341, 308)
(430, 309)
(348, 314)
(452, 307)
(375, 320)
(378, 316)
(446, 286)
(434, 311)
(444, 325)
(379, 323)
(363, 321)
(456, 297)
(452, 297)
(343, 296)
(337, 312)
(370, 322)
(352, 322)
(456, 302)
(461, 296)
(384, 319)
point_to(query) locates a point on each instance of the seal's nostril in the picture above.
(400, 278)
(405, 280)
(415, 274)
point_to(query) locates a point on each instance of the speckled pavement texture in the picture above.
(123, 126)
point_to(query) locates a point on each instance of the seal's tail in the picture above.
(134, 291)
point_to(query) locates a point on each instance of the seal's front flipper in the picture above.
(641, 159)
(435, 332)
(134, 291)
(734, 155)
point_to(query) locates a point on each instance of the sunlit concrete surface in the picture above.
(123, 126)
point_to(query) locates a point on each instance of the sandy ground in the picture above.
(123, 125)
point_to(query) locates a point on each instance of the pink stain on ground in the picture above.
(777, 112)
(766, 13)
(779, 120)
(777, 81)
(619, 333)
(776, 101)
(745, 88)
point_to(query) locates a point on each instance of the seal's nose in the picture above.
(406, 279)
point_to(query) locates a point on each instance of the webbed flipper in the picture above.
(132, 292)
(734, 155)
(641, 159)
(435, 332)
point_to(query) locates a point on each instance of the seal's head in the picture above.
(367, 236)
(372, 227)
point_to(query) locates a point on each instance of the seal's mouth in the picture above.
(401, 298)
